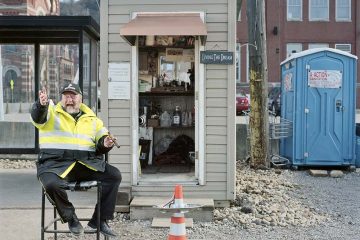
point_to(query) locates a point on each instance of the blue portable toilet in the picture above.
(318, 97)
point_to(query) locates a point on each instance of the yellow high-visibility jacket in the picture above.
(64, 141)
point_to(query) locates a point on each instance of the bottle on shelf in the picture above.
(189, 119)
(165, 119)
(177, 117)
(184, 118)
(154, 82)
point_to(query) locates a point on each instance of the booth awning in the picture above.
(165, 24)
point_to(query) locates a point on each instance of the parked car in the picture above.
(242, 103)
(274, 100)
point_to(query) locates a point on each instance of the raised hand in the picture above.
(43, 97)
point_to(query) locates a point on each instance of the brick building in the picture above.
(296, 25)
(30, 7)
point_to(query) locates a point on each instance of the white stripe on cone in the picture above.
(178, 229)
(178, 203)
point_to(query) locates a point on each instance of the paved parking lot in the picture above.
(20, 202)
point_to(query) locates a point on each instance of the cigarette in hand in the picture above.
(114, 140)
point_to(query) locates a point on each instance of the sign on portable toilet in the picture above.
(319, 97)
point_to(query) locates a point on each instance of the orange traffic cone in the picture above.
(177, 227)
(178, 197)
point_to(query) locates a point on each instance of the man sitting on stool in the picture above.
(72, 143)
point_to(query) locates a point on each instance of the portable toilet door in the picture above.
(324, 114)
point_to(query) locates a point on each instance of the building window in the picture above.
(343, 47)
(238, 62)
(292, 48)
(247, 64)
(294, 10)
(343, 10)
(319, 10)
(318, 45)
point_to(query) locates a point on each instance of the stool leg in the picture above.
(42, 213)
(99, 188)
(55, 224)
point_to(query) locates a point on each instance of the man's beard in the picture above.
(71, 109)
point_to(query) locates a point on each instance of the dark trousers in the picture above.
(55, 189)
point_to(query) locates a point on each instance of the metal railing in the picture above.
(279, 128)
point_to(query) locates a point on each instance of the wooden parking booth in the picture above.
(168, 93)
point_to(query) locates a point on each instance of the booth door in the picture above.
(324, 112)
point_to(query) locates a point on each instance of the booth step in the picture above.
(122, 208)
(144, 208)
(124, 196)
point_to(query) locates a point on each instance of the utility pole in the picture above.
(259, 120)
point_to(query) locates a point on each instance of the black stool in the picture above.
(73, 186)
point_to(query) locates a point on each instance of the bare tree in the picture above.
(81, 8)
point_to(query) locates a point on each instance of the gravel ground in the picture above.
(16, 164)
(270, 204)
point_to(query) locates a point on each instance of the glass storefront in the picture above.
(90, 74)
(17, 93)
(42, 52)
(58, 66)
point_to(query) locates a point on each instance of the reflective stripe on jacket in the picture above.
(63, 140)
(61, 131)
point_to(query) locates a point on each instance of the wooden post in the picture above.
(259, 120)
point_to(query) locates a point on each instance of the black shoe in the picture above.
(75, 226)
(104, 228)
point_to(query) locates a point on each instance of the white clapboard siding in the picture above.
(217, 27)
(216, 148)
(216, 93)
(219, 129)
(216, 83)
(214, 139)
(215, 158)
(217, 102)
(117, 122)
(216, 112)
(123, 150)
(216, 73)
(124, 130)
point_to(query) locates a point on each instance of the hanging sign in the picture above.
(325, 78)
(288, 83)
(216, 57)
(119, 90)
(119, 81)
(119, 72)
